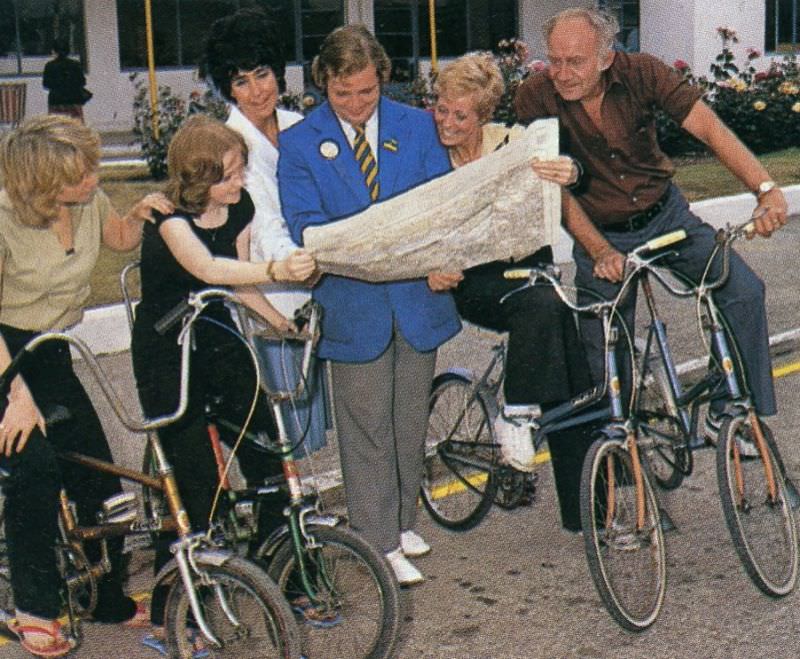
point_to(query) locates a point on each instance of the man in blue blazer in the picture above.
(356, 149)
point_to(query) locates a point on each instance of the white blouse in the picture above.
(269, 236)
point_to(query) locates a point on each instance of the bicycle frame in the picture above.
(191, 550)
(684, 405)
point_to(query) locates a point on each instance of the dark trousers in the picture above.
(220, 369)
(741, 298)
(36, 476)
(545, 363)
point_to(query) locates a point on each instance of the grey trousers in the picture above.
(741, 299)
(381, 410)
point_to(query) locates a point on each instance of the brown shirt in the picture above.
(626, 170)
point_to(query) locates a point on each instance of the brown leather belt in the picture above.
(639, 220)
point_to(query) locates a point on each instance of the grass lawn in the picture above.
(698, 178)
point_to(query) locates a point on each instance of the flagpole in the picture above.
(432, 20)
(151, 67)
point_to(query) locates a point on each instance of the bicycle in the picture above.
(757, 498)
(230, 600)
(619, 510)
(336, 582)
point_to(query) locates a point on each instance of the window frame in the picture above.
(772, 28)
(37, 61)
(294, 49)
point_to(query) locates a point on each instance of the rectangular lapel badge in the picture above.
(390, 145)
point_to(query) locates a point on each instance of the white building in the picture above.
(108, 35)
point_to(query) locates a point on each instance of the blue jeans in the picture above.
(741, 298)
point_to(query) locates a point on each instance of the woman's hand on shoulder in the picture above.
(561, 170)
(143, 210)
(21, 417)
(299, 266)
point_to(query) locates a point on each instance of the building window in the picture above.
(403, 27)
(782, 26)
(627, 13)
(29, 29)
(180, 27)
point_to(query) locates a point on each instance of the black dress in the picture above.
(220, 369)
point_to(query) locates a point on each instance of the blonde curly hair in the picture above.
(39, 158)
(473, 73)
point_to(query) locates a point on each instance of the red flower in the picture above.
(680, 65)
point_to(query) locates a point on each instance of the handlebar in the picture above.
(633, 259)
(192, 308)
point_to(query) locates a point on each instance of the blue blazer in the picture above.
(359, 316)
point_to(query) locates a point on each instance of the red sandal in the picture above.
(59, 645)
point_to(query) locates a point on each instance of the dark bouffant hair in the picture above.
(243, 41)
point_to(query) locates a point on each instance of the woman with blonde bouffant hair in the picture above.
(545, 363)
(53, 219)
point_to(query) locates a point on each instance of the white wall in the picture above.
(687, 30)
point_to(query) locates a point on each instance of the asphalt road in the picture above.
(517, 586)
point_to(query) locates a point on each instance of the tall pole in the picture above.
(432, 20)
(151, 66)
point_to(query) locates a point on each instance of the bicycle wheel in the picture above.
(762, 527)
(243, 608)
(662, 440)
(628, 564)
(357, 608)
(458, 484)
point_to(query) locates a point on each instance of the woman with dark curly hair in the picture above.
(245, 62)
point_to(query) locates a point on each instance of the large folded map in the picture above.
(493, 208)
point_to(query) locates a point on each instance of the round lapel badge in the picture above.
(329, 149)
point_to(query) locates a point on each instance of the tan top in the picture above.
(43, 287)
(626, 170)
(496, 136)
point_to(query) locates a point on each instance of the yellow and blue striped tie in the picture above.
(366, 162)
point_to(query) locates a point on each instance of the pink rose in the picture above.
(680, 65)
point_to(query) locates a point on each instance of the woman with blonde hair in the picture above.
(53, 219)
(545, 363)
(205, 242)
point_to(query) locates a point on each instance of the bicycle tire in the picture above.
(664, 444)
(764, 533)
(263, 628)
(628, 565)
(356, 588)
(458, 484)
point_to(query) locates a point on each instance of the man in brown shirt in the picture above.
(605, 102)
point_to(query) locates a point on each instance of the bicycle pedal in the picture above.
(121, 508)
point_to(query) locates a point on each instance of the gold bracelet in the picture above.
(271, 270)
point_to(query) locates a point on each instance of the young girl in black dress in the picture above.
(205, 242)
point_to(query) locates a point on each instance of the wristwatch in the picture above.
(764, 187)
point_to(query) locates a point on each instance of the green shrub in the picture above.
(762, 108)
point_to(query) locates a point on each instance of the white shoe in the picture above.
(413, 545)
(516, 443)
(404, 570)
